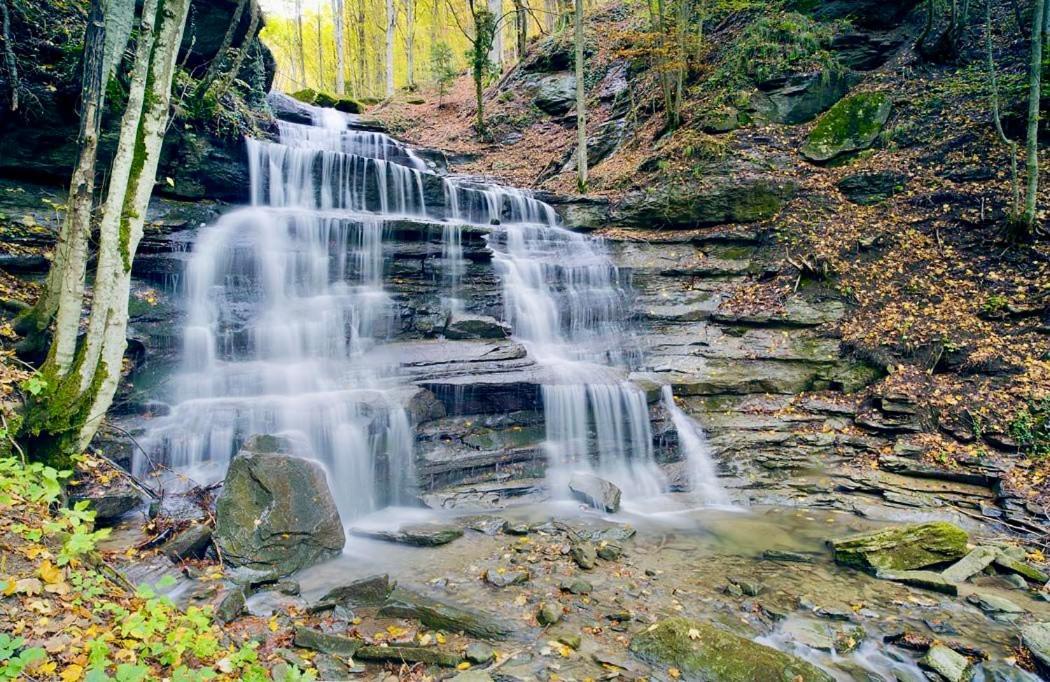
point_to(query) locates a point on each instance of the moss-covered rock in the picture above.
(276, 513)
(851, 125)
(704, 653)
(347, 105)
(902, 548)
(739, 196)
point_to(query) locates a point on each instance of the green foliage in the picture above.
(15, 657)
(442, 67)
(1031, 429)
(778, 44)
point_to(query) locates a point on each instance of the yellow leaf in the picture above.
(72, 673)
(273, 624)
(674, 673)
(440, 638)
(50, 573)
(694, 633)
(463, 666)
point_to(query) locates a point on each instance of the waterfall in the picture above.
(285, 300)
(693, 443)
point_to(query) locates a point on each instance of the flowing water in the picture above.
(285, 298)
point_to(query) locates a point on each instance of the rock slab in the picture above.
(702, 652)
(276, 513)
(597, 492)
(901, 548)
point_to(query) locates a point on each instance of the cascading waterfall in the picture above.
(285, 298)
(693, 443)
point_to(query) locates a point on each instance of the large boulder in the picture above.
(902, 548)
(740, 194)
(1036, 638)
(798, 98)
(276, 513)
(556, 93)
(872, 187)
(705, 653)
(850, 126)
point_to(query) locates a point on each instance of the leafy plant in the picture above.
(1030, 427)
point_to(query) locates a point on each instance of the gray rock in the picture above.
(461, 326)
(230, 607)
(993, 604)
(315, 640)
(370, 591)
(188, 543)
(439, 615)
(418, 535)
(595, 491)
(109, 504)
(506, 578)
(584, 554)
(276, 513)
(1036, 638)
(1021, 568)
(609, 552)
(479, 653)
(800, 97)
(952, 666)
(871, 187)
(973, 563)
(556, 94)
(927, 580)
(784, 555)
(548, 614)
(576, 586)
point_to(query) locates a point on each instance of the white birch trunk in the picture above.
(391, 24)
(496, 53)
(581, 105)
(109, 259)
(410, 41)
(149, 134)
(340, 47)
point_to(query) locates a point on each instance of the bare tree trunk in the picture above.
(338, 12)
(521, 17)
(581, 104)
(410, 41)
(320, 53)
(65, 281)
(149, 137)
(10, 63)
(1035, 72)
(299, 43)
(496, 53)
(1011, 145)
(215, 67)
(242, 52)
(362, 51)
(391, 24)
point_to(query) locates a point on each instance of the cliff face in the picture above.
(203, 155)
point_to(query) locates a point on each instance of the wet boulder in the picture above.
(462, 326)
(902, 548)
(418, 535)
(595, 491)
(703, 652)
(1036, 638)
(850, 126)
(946, 663)
(871, 187)
(276, 513)
(370, 591)
(438, 615)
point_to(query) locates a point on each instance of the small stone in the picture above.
(994, 605)
(584, 554)
(231, 606)
(517, 529)
(505, 578)
(548, 614)
(330, 668)
(570, 640)
(748, 587)
(370, 591)
(782, 555)
(315, 640)
(289, 587)
(950, 665)
(620, 616)
(479, 653)
(734, 590)
(576, 586)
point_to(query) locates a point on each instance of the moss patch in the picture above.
(703, 652)
(902, 548)
(851, 125)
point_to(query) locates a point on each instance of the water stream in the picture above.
(284, 300)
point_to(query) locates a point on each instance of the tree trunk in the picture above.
(581, 104)
(149, 137)
(9, 56)
(110, 256)
(338, 18)
(410, 41)
(242, 52)
(1011, 146)
(362, 51)
(391, 24)
(496, 52)
(320, 53)
(521, 16)
(1035, 73)
(300, 45)
(215, 67)
(65, 282)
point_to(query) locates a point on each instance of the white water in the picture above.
(283, 299)
(693, 443)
